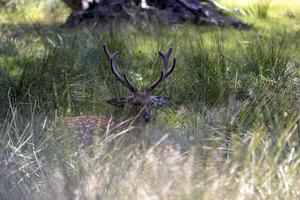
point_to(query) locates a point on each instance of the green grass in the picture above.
(231, 129)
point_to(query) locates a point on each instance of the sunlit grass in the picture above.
(280, 14)
(44, 12)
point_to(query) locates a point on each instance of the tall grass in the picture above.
(261, 8)
(22, 160)
(153, 162)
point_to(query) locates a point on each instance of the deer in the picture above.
(141, 102)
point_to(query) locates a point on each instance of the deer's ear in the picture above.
(158, 100)
(119, 102)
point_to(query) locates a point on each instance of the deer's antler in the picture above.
(166, 70)
(122, 78)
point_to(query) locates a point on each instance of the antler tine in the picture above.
(166, 70)
(132, 88)
(165, 57)
(122, 78)
(108, 54)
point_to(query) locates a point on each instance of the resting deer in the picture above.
(141, 101)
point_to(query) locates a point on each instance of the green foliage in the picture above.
(58, 72)
(69, 73)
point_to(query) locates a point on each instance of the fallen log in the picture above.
(165, 11)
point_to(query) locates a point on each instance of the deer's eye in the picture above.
(137, 103)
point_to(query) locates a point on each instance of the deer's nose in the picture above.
(147, 118)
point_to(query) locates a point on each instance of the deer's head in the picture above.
(140, 99)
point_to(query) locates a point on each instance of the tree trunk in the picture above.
(165, 11)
